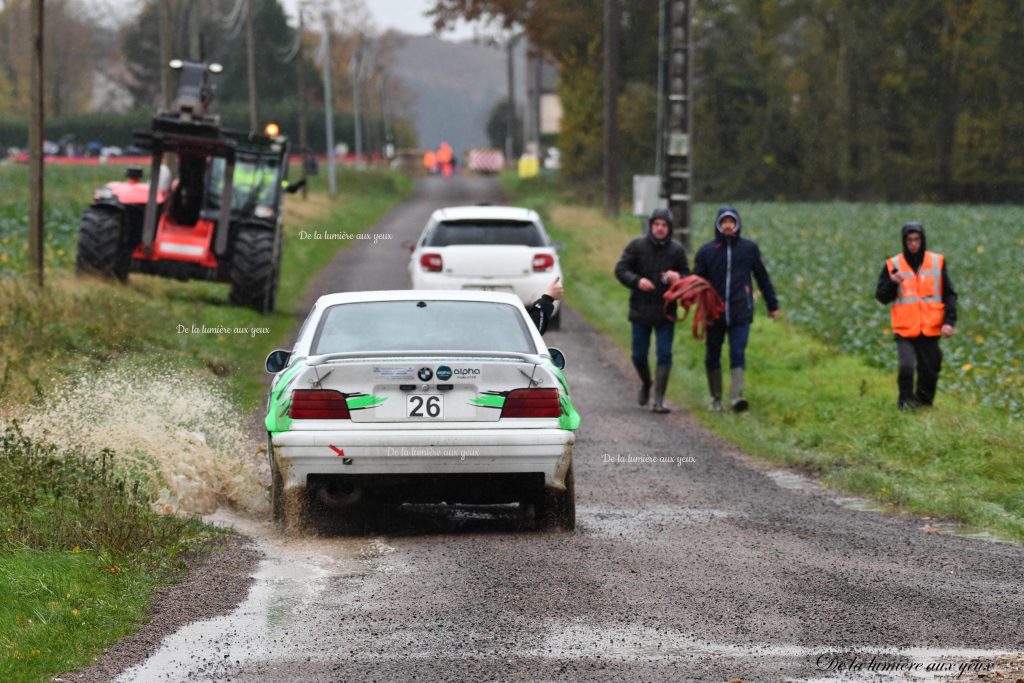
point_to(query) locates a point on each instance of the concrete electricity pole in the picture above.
(356, 67)
(35, 149)
(303, 108)
(250, 59)
(332, 183)
(676, 166)
(612, 17)
(195, 43)
(510, 111)
(164, 20)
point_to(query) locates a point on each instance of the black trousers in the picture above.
(924, 355)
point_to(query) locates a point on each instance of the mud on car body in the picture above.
(419, 397)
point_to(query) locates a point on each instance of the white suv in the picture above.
(496, 248)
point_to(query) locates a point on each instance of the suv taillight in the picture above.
(318, 404)
(431, 262)
(532, 403)
(542, 262)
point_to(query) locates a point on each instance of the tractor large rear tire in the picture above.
(101, 249)
(254, 269)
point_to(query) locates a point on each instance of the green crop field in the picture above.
(68, 191)
(825, 260)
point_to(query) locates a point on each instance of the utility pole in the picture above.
(677, 166)
(250, 58)
(659, 134)
(35, 149)
(612, 18)
(329, 106)
(510, 111)
(195, 46)
(303, 109)
(164, 19)
(356, 67)
(385, 114)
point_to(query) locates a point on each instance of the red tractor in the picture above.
(220, 220)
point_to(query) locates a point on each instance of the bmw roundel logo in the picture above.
(444, 373)
(425, 374)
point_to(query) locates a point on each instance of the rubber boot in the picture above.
(660, 382)
(739, 404)
(715, 387)
(644, 371)
(905, 383)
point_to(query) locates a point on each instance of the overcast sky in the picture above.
(406, 16)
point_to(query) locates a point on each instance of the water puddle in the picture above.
(294, 587)
(577, 640)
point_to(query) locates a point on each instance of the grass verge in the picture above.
(80, 546)
(813, 408)
(80, 550)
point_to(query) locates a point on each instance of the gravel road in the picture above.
(690, 562)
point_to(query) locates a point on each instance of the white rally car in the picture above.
(419, 396)
(496, 248)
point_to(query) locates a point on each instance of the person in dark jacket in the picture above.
(648, 267)
(923, 301)
(543, 309)
(727, 262)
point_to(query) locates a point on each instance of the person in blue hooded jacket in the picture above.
(727, 262)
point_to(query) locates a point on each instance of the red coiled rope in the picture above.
(694, 291)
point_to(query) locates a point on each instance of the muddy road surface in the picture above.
(689, 563)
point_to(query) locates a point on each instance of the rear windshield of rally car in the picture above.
(485, 232)
(422, 326)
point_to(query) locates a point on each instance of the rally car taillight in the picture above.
(542, 262)
(432, 262)
(532, 403)
(318, 404)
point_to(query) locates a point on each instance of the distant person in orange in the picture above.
(444, 159)
(430, 161)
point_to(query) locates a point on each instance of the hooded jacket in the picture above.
(728, 263)
(647, 257)
(886, 291)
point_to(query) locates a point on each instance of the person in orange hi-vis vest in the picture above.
(923, 308)
(429, 161)
(444, 159)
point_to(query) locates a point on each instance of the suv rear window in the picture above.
(484, 232)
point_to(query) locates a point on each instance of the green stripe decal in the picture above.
(277, 419)
(489, 401)
(365, 401)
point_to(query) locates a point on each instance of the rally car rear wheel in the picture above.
(100, 244)
(276, 495)
(558, 510)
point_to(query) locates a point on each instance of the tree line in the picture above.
(82, 47)
(809, 99)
